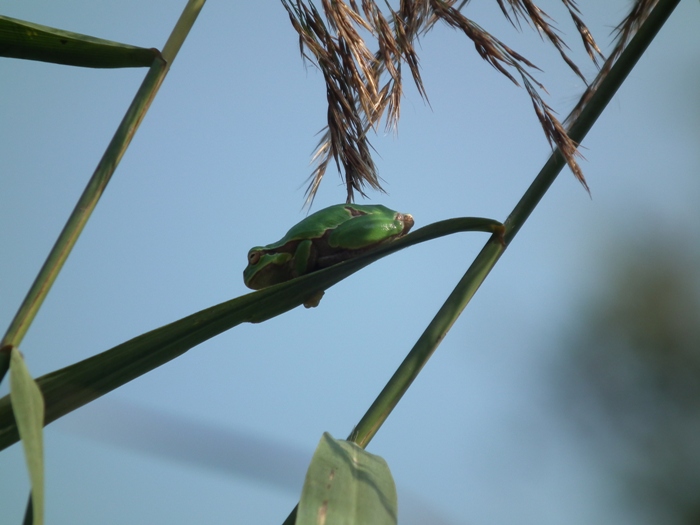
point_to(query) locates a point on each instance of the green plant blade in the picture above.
(28, 408)
(78, 384)
(347, 486)
(28, 41)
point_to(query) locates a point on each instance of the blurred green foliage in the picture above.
(635, 361)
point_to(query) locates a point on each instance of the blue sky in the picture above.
(219, 165)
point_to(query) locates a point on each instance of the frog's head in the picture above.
(265, 269)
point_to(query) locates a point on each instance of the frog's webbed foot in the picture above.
(312, 302)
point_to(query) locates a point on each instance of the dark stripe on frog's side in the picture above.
(333, 215)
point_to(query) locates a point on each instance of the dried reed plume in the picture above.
(624, 32)
(361, 85)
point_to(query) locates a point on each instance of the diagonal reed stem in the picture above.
(399, 383)
(492, 251)
(96, 185)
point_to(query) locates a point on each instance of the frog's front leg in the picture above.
(304, 258)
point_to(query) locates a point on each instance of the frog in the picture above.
(324, 238)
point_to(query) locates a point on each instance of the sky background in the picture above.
(219, 165)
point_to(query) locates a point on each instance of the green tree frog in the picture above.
(324, 238)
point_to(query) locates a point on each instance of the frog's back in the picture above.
(318, 223)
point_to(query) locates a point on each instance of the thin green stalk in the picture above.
(86, 204)
(389, 397)
(427, 344)
(399, 383)
(96, 186)
(181, 30)
(485, 261)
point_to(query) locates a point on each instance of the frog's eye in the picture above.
(254, 257)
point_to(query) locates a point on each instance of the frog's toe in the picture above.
(312, 302)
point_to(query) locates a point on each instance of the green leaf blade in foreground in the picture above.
(28, 408)
(28, 41)
(78, 384)
(347, 486)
